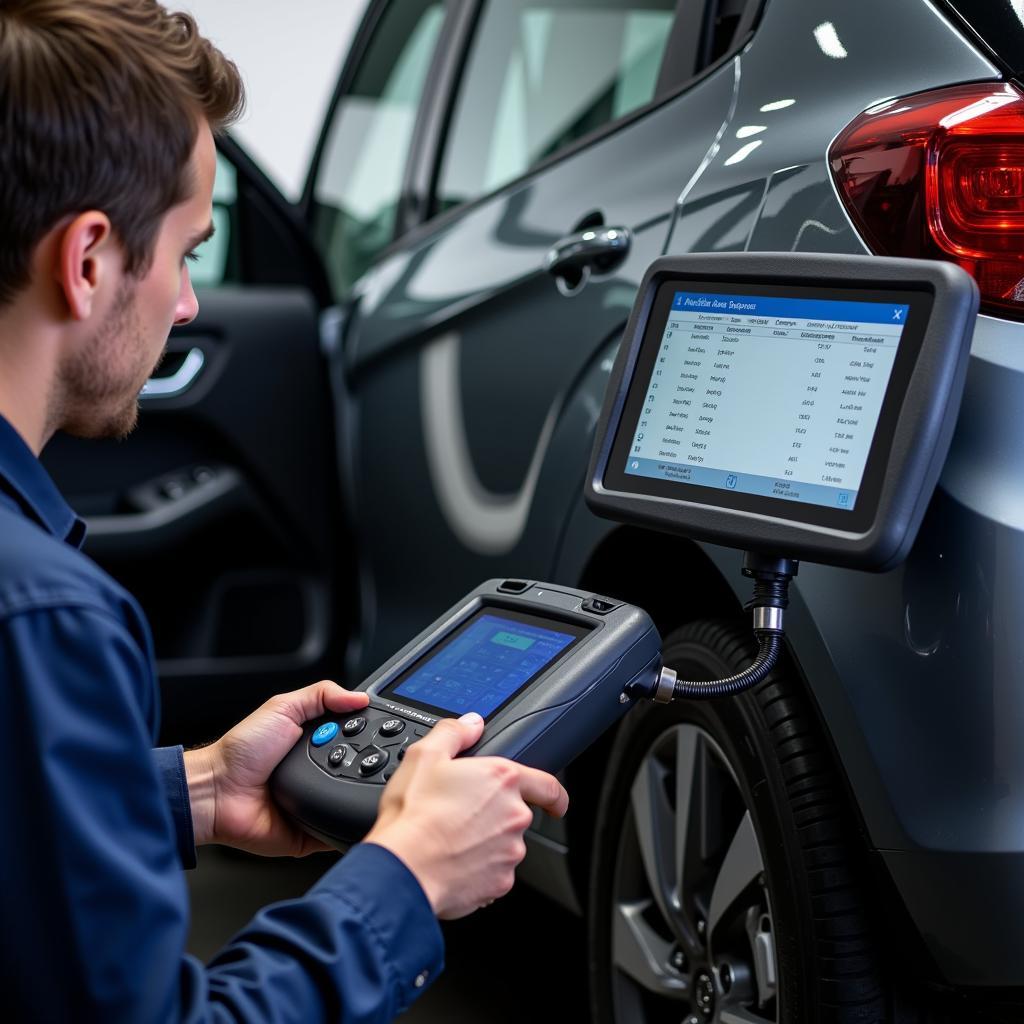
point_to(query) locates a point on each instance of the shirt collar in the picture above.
(22, 477)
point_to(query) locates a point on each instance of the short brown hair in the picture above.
(100, 106)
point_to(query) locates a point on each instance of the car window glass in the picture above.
(210, 268)
(359, 181)
(1000, 23)
(542, 73)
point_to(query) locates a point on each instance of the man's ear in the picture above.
(83, 258)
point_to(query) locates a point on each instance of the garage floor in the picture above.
(498, 960)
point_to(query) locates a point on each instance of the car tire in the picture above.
(753, 911)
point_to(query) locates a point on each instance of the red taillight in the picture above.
(941, 175)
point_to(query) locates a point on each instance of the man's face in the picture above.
(101, 380)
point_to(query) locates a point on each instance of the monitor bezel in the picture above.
(920, 438)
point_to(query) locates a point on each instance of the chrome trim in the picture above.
(176, 383)
(599, 249)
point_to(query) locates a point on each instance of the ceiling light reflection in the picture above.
(828, 39)
(743, 152)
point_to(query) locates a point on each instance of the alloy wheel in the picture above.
(692, 936)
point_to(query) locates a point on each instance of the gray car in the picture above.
(391, 393)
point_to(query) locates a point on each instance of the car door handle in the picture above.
(593, 250)
(178, 382)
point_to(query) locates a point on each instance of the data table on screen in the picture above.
(773, 396)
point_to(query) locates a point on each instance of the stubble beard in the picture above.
(99, 385)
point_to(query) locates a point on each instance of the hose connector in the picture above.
(665, 690)
(768, 618)
(771, 578)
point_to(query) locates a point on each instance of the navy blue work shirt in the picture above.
(97, 826)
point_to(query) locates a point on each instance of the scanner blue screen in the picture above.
(485, 665)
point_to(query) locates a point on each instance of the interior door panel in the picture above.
(220, 511)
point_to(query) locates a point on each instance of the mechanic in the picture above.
(107, 163)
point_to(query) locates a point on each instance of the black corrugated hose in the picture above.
(769, 645)
(771, 578)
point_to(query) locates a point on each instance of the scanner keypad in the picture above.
(374, 744)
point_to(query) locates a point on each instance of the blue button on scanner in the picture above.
(324, 734)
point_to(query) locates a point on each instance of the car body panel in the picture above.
(464, 335)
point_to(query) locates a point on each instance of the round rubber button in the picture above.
(324, 734)
(392, 727)
(373, 763)
(354, 726)
(337, 755)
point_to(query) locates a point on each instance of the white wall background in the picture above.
(290, 55)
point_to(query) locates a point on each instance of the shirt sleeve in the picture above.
(93, 868)
(170, 767)
(359, 947)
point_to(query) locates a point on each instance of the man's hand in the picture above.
(458, 824)
(227, 781)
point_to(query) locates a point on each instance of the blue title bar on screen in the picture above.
(791, 308)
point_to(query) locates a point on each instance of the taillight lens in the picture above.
(941, 175)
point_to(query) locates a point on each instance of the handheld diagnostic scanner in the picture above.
(794, 406)
(548, 668)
